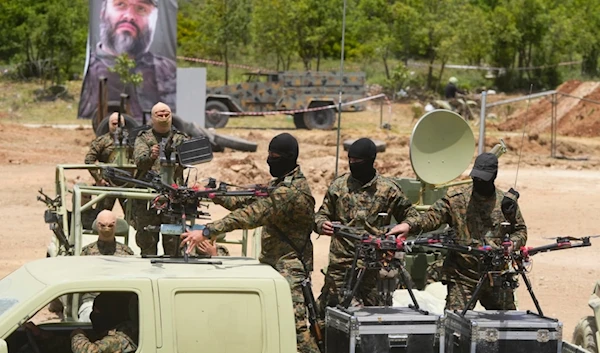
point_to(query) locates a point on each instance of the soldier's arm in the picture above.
(404, 211)
(259, 213)
(92, 156)
(81, 344)
(234, 202)
(326, 212)
(141, 154)
(519, 236)
(438, 214)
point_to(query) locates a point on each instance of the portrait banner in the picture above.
(145, 30)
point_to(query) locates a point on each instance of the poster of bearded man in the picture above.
(145, 30)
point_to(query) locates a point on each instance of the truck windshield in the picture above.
(18, 286)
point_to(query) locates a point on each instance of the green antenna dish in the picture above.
(441, 147)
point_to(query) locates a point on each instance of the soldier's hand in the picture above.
(76, 332)
(154, 151)
(327, 228)
(401, 229)
(208, 248)
(192, 238)
(103, 182)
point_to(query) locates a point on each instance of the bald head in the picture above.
(161, 117)
(113, 122)
(106, 222)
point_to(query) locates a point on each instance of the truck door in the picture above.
(219, 315)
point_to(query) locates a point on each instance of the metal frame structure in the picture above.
(75, 232)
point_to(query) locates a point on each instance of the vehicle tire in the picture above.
(584, 334)
(103, 126)
(320, 119)
(379, 145)
(235, 143)
(213, 118)
(299, 121)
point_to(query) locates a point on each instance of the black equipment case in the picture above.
(501, 331)
(382, 330)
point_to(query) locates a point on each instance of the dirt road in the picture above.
(558, 197)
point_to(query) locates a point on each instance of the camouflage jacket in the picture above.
(105, 248)
(101, 150)
(287, 212)
(476, 221)
(143, 146)
(356, 205)
(159, 83)
(122, 339)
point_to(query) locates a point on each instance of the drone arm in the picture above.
(559, 245)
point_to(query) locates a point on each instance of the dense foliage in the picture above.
(47, 38)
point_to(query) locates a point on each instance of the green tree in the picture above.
(223, 28)
(272, 33)
(125, 68)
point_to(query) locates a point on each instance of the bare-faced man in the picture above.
(146, 156)
(128, 27)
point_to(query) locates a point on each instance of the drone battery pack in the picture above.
(195, 151)
(382, 330)
(501, 331)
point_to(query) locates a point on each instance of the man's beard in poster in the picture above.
(125, 42)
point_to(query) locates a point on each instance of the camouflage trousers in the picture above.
(490, 298)
(291, 268)
(147, 240)
(332, 291)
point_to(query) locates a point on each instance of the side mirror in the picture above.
(3, 346)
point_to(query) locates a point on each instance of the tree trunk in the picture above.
(318, 60)
(226, 66)
(437, 86)
(430, 72)
(385, 65)
(589, 64)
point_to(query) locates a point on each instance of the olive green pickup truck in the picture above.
(221, 304)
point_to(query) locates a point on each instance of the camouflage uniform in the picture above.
(356, 205)
(147, 240)
(287, 212)
(101, 150)
(101, 247)
(159, 83)
(122, 339)
(476, 220)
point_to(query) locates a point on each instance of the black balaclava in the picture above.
(109, 309)
(484, 173)
(484, 188)
(364, 149)
(287, 147)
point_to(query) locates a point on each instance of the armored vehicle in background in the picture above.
(285, 91)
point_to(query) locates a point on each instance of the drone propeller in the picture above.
(566, 238)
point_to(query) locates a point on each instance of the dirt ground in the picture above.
(558, 196)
